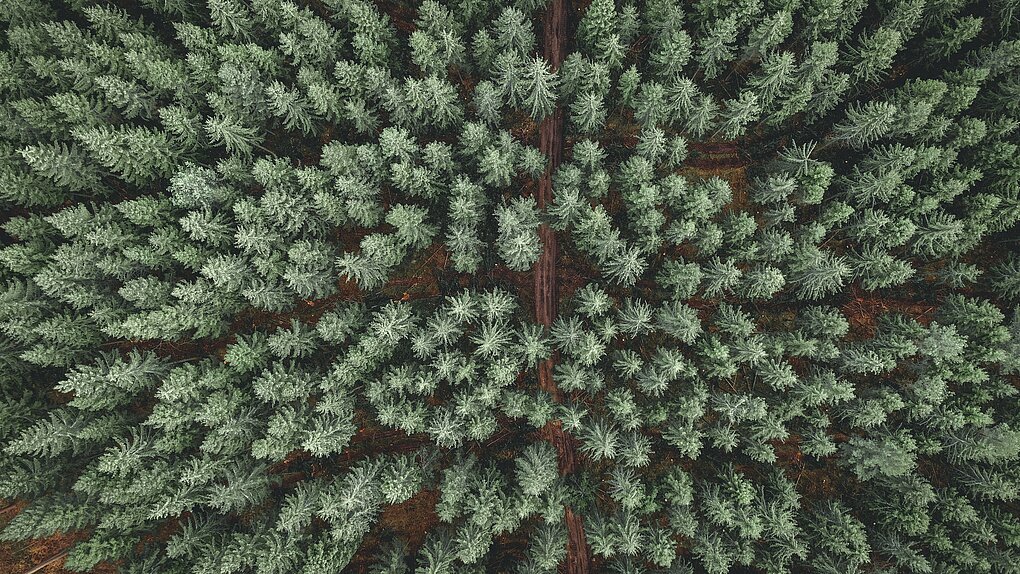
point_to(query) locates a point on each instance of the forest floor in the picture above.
(39, 556)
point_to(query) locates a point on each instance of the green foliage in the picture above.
(536, 468)
(599, 28)
(519, 243)
(137, 155)
(270, 295)
(888, 454)
(539, 86)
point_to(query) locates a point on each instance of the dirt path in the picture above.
(551, 144)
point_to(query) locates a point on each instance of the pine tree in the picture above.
(878, 269)
(873, 54)
(817, 273)
(136, 155)
(739, 112)
(65, 165)
(536, 469)
(232, 134)
(588, 112)
(539, 86)
(770, 33)
(288, 105)
(597, 25)
(716, 47)
(672, 54)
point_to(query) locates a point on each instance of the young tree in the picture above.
(599, 22)
(887, 454)
(872, 56)
(716, 46)
(539, 86)
(519, 243)
(588, 112)
(537, 468)
(671, 54)
(865, 124)
(770, 33)
(137, 155)
(877, 269)
(738, 113)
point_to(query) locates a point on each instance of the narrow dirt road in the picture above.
(551, 144)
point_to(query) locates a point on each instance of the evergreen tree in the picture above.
(588, 112)
(597, 26)
(873, 54)
(716, 46)
(137, 155)
(539, 87)
(519, 244)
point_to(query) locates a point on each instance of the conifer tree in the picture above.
(539, 87)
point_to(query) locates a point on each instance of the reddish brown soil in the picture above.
(40, 556)
(715, 155)
(865, 307)
(413, 518)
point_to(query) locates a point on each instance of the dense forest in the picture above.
(532, 286)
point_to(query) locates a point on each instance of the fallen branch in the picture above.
(48, 561)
